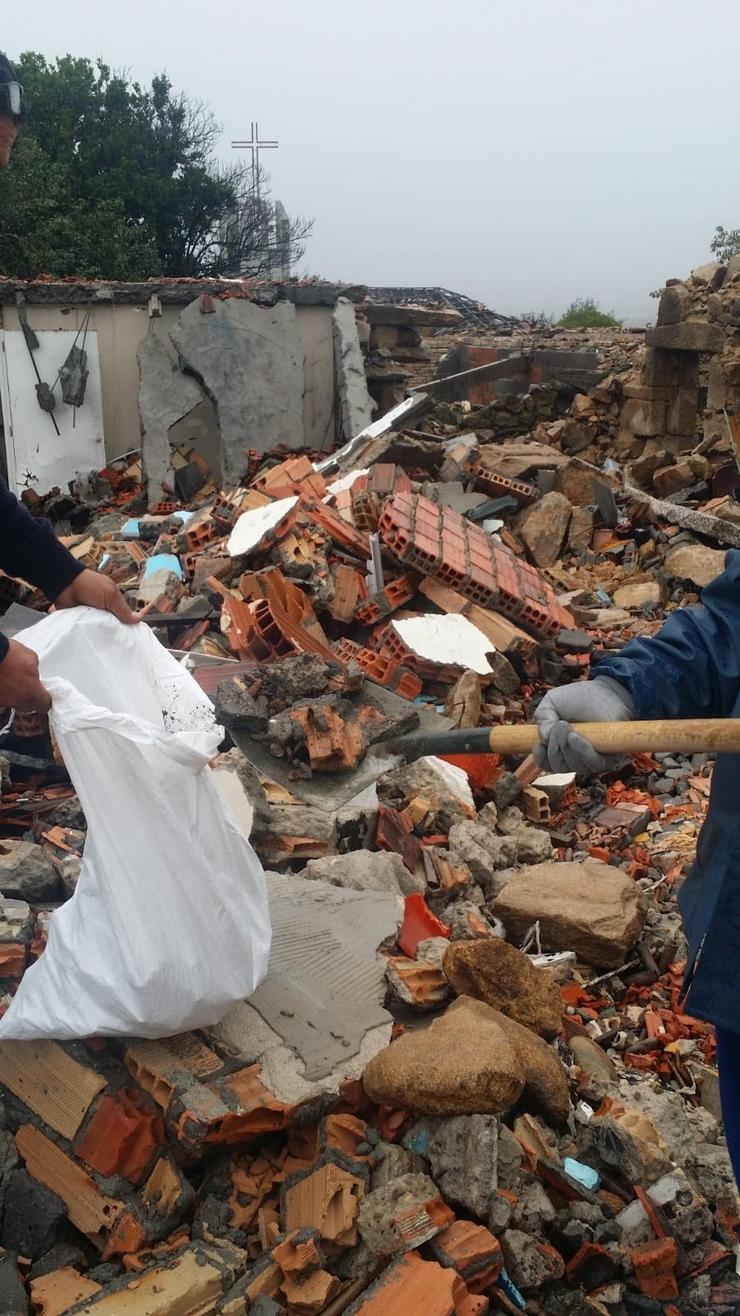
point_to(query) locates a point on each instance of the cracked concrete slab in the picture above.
(355, 403)
(318, 1017)
(166, 396)
(250, 361)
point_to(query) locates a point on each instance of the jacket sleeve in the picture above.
(691, 668)
(30, 549)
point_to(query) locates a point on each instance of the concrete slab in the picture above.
(249, 359)
(355, 403)
(166, 395)
(319, 1016)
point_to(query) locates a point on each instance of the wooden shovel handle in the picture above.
(719, 735)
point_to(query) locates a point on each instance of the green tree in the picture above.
(584, 313)
(725, 244)
(110, 179)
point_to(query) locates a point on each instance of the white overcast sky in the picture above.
(524, 154)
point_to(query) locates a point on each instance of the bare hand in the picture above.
(92, 590)
(20, 685)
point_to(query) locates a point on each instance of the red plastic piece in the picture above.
(419, 924)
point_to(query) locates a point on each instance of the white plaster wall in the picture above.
(119, 329)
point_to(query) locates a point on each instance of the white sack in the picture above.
(169, 923)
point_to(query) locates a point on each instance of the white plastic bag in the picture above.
(169, 924)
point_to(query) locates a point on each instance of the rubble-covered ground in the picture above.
(482, 1094)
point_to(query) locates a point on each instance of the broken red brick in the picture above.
(344, 1132)
(417, 983)
(655, 1268)
(473, 1251)
(592, 1266)
(418, 1288)
(394, 834)
(122, 1136)
(297, 1253)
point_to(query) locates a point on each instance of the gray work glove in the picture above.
(562, 750)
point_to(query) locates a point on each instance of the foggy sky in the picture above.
(524, 154)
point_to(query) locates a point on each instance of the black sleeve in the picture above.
(30, 550)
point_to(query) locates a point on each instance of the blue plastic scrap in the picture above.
(511, 1291)
(163, 562)
(583, 1174)
(417, 1141)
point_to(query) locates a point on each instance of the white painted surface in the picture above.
(37, 456)
(252, 526)
(447, 640)
(555, 780)
(345, 482)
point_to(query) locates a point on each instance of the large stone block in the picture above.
(463, 1064)
(718, 377)
(543, 527)
(642, 417)
(675, 304)
(250, 361)
(491, 970)
(690, 336)
(589, 908)
(647, 392)
(681, 415)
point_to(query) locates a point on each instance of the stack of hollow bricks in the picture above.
(426, 539)
(261, 630)
(437, 541)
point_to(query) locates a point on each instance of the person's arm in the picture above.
(691, 668)
(30, 549)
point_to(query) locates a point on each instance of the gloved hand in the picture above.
(562, 750)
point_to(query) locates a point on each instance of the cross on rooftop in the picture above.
(254, 145)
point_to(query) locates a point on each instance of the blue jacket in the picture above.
(691, 668)
(30, 549)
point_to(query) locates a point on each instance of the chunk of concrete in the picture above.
(530, 1263)
(355, 403)
(26, 872)
(462, 1152)
(645, 595)
(365, 870)
(13, 1298)
(249, 359)
(590, 908)
(32, 1216)
(481, 850)
(166, 395)
(386, 1214)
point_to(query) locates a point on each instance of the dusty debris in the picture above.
(552, 1146)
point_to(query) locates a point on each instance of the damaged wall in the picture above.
(119, 317)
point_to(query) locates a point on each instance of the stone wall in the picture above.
(692, 362)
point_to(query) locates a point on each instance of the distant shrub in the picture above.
(584, 313)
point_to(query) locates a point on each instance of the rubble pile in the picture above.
(467, 1083)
